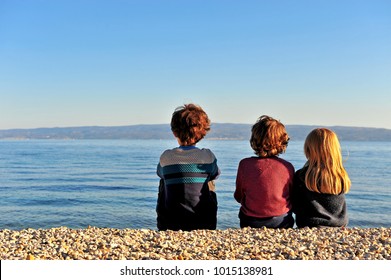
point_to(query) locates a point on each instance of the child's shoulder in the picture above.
(286, 163)
(174, 152)
(204, 153)
(301, 172)
(250, 159)
(269, 161)
(184, 150)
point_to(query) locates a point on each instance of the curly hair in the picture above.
(190, 124)
(268, 137)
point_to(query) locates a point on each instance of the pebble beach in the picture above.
(231, 244)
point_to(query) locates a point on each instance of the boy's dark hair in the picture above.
(190, 123)
(268, 137)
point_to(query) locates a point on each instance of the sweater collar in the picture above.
(186, 148)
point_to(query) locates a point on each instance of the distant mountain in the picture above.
(91, 132)
(300, 132)
(224, 131)
(345, 133)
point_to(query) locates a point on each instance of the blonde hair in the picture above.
(325, 173)
(268, 137)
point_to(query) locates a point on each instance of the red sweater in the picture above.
(263, 186)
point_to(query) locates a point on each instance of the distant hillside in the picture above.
(347, 133)
(300, 132)
(91, 132)
(226, 131)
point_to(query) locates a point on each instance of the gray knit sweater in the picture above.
(314, 209)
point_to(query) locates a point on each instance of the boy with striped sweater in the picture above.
(187, 198)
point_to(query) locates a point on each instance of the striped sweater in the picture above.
(186, 201)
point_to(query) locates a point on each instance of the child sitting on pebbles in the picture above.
(320, 186)
(187, 199)
(264, 182)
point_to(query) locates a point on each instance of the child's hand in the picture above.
(212, 186)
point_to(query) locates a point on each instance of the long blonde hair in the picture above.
(325, 173)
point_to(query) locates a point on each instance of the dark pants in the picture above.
(283, 221)
(183, 219)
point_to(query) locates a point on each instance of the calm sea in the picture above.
(104, 183)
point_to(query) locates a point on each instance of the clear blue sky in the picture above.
(110, 62)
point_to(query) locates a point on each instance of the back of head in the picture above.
(325, 173)
(190, 123)
(268, 137)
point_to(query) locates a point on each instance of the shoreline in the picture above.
(230, 244)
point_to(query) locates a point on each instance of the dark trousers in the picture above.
(283, 221)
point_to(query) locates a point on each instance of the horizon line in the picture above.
(160, 124)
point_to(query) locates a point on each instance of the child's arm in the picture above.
(238, 194)
(212, 185)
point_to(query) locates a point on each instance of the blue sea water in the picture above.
(113, 183)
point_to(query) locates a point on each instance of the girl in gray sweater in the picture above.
(319, 187)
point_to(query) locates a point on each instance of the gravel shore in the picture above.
(230, 244)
